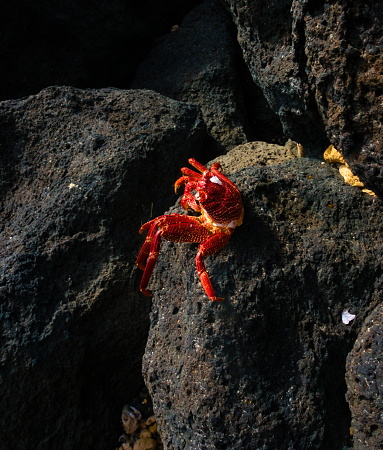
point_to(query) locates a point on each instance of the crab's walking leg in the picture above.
(176, 228)
(151, 262)
(198, 165)
(208, 247)
(145, 249)
(153, 226)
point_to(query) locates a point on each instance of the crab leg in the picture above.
(190, 175)
(151, 262)
(172, 229)
(145, 249)
(175, 228)
(211, 245)
(197, 165)
(214, 168)
(153, 226)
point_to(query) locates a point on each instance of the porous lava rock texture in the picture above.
(266, 367)
(83, 44)
(255, 153)
(319, 65)
(365, 383)
(200, 62)
(80, 171)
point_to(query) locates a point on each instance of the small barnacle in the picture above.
(130, 417)
(145, 444)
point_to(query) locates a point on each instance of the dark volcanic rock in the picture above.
(80, 172)
(83, 44)
(199, 63)
(365, 383)
(320, 67)
(266, 367)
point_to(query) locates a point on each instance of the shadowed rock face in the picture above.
(201, 63)
(320, 68)
(265, 368)
(82, 44)
(76, 185)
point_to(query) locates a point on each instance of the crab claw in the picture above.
(180, 182)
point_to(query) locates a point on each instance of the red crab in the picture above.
(219, 202)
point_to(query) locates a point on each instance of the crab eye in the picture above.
(216, 180)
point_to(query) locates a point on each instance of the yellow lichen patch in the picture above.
(349, 177)
(332, 156)
(369, 192)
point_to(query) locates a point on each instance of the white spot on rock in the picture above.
(347, 317)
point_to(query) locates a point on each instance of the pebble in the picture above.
(145, 444)
(145, 434)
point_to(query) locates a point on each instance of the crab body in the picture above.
(219, 203)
